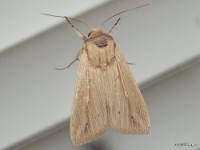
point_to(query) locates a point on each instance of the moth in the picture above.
(105, 92)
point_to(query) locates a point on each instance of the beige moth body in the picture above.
(106, 92)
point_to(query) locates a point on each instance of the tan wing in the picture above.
(89, 116)
(128, 110)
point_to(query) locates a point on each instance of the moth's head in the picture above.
(94, 32)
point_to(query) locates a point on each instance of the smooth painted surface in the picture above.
(35, 99)
(21, 19)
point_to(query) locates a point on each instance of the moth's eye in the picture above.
(89, 34)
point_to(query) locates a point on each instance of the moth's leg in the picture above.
(130, 63)
(75, 59)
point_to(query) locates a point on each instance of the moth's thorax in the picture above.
(100, 48)
(98, 37)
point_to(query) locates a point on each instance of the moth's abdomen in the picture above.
(100, 56)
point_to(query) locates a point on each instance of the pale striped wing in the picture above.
(89, 115)
(128, 110)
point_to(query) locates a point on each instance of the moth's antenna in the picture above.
(114, 26)
(67, 18)
(123, 12)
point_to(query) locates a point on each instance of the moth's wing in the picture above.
(89, 116)
(128, 111)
